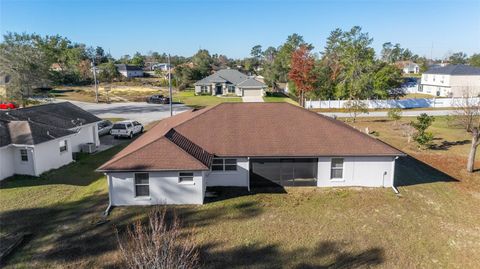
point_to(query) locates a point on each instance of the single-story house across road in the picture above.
(242, 144)
(230, 82)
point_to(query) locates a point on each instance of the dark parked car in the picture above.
(158, 99)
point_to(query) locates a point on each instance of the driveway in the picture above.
(252, 99)
(405, 113)
(141, 112)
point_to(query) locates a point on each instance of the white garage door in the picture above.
(252, 92)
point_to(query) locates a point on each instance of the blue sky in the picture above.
(233, 27)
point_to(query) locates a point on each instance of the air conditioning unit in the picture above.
(89, 148)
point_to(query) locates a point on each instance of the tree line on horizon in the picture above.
(346, 68)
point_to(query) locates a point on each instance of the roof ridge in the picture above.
(189, 147)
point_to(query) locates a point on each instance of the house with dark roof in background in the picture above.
(230, 82)
(36, 139)
(456, 80)
(129, 71)
(245, 145)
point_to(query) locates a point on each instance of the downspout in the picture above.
(248, 174)
(395, 190)
(34, 163)
(109, 207)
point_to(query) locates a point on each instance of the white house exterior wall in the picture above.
(238, 91)
(48, 156)
(448, 85)
(21, 167)
(358, 171)
(164, 189)
(7, 167)
(462, 85)
(86, 134)
(131, 74)
(239, 178)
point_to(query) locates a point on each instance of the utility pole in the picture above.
(95, 79)
(170, 85)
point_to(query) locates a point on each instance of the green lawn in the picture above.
(417, 95)
(189, 98)
(278, 99)
(430, 225)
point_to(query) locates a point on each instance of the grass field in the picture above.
(189, 98)
(434, 223)
(125, 93)
(117, 93)
(276, 99)
(417, 95)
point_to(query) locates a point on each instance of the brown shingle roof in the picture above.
(248, 130)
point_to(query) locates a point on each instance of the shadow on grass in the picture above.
(410, 171)
(70, 232)
(216, 194)
(58, 232)
(326, 254)
(445, 145)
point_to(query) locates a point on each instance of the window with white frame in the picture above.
(24, 155)
(231, 89)
(185, 177)
(336, 169)
(63, 145)
(204, 89)
(142, 185)
(220, 164)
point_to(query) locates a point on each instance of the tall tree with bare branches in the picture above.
(468, 117)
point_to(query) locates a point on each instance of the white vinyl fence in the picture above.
(403, 103)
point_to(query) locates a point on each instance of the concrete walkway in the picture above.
(405, 113)
(252, 99)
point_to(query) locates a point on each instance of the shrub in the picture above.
(422, 137)
(158, 244)
(395, 114)
(355, 107)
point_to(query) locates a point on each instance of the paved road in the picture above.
(405, 113)
(141, 112)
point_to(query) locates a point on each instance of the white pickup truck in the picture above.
(126, 128)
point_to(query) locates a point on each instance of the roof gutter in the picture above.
(154, 170)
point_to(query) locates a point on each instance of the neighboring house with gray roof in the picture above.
(230, 82)
(130, 71)
(451, 81)
(36, 139)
